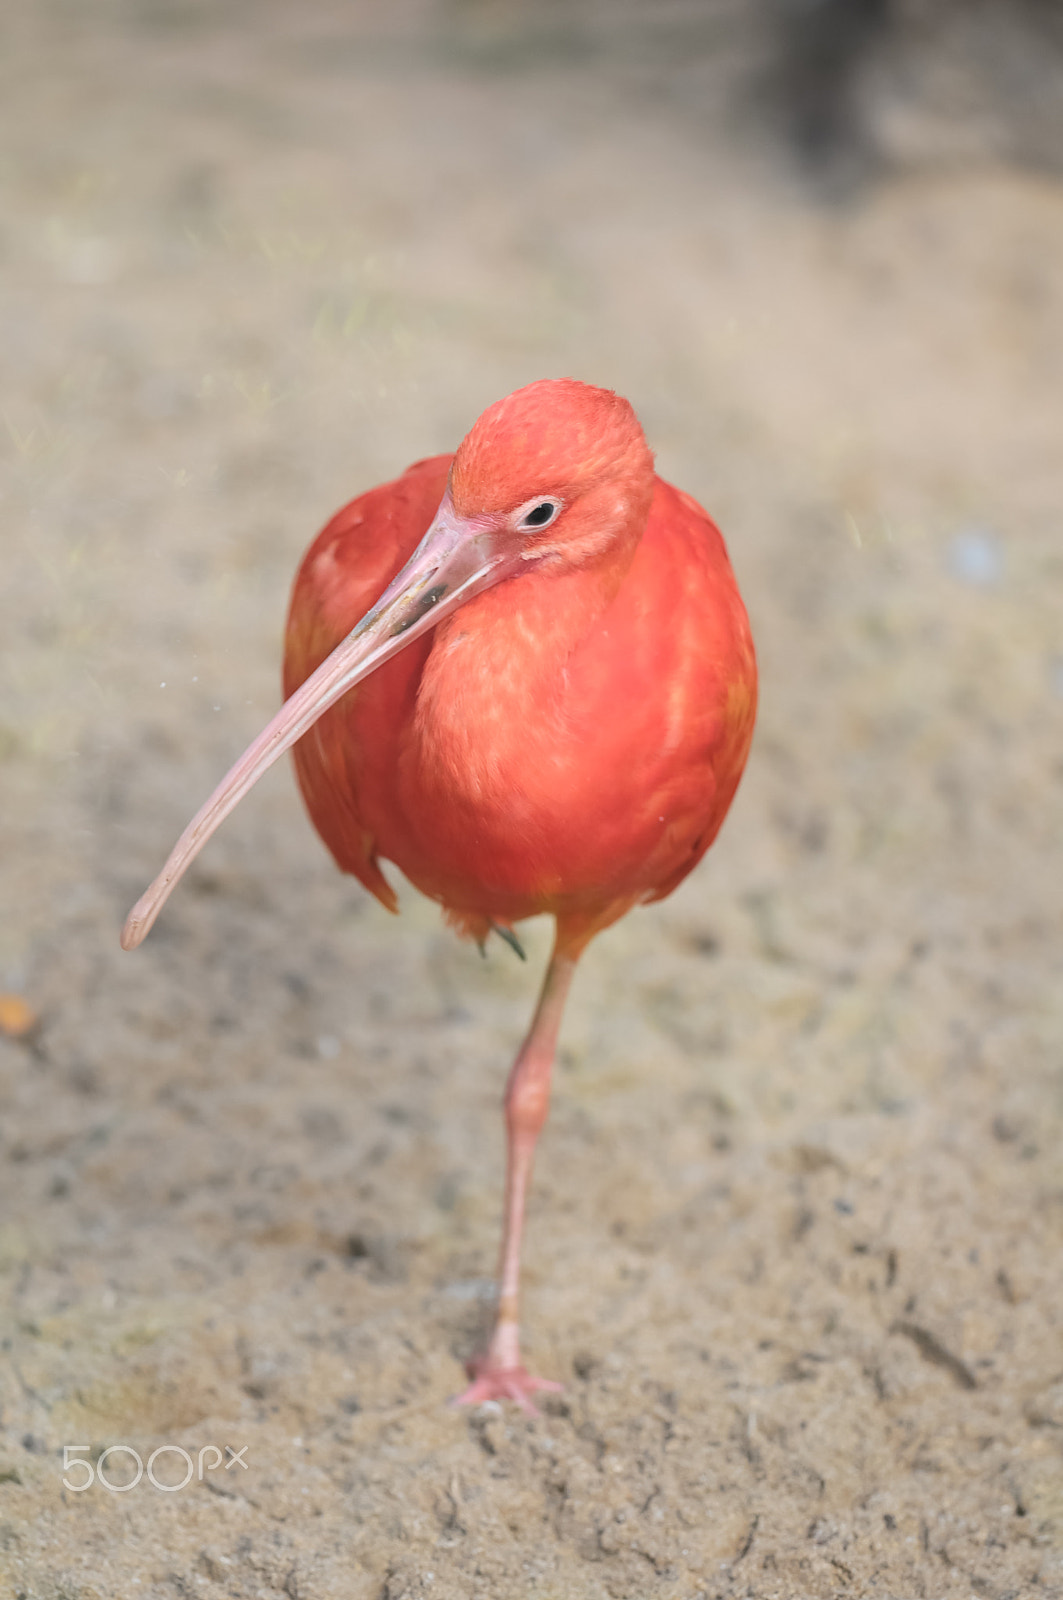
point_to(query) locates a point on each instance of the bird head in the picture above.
(561, 468)
(557, 475)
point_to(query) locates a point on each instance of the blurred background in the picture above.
(796, 1234)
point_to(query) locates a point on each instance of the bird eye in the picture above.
(540, 514)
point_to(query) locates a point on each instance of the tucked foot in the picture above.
(503, 1383)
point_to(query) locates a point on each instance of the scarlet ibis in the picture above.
(524, 674)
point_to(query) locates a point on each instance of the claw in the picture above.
(504, 1383)
(510, 937)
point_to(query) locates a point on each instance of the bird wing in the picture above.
(666, 684)
(342, 575)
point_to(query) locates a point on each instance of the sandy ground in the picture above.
(795, 1244)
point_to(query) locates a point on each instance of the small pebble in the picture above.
(976, 557)
(17, 1016)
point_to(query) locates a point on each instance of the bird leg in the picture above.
(498, 1374)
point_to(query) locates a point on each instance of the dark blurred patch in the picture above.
(853, 87)
(843, 89)
(813, 83)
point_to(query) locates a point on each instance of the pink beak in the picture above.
(457, 559)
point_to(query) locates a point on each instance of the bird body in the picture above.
(524, 674)
(548, 748)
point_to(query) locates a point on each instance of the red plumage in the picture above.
(544, 749)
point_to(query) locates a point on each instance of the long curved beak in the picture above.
(456, 559)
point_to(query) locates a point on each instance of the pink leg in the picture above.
(498, 1374)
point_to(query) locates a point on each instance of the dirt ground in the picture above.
(796, 1234)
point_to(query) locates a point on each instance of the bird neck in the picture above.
(525, 630)
(494, 729)
(492, 694)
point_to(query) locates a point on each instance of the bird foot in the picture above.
(503, 1383)
(505, 932)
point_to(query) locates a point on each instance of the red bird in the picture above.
(524, 674)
